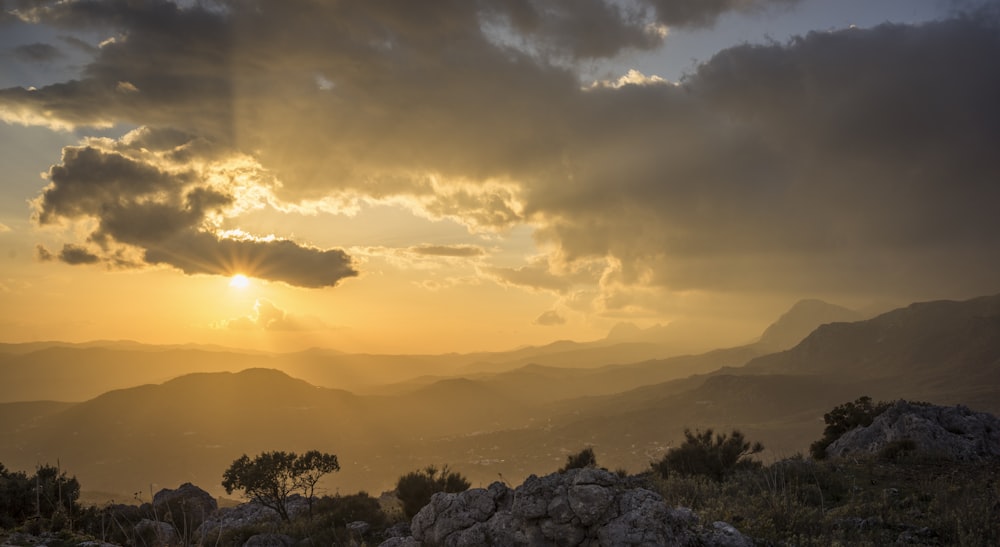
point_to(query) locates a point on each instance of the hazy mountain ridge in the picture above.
(78, 372)
(191, 427)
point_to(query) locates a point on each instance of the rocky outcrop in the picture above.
(185, 507)
(951, 432)
(582, 507)
(246, 514)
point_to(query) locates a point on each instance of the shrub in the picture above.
(845, 417)
(714, 456)
(580, 460)
(415, 488)
(47, 493)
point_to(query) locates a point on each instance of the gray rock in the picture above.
(400, 542)
(951, 432)
(724, 535)
(269, 540)
(245, 514)
(186, 507)
(582, 507)
(358, 527)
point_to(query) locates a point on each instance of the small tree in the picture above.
(271, 477)
(309, 468)
(704, 453)
(845, 417)
(580, 460)
(415, 488)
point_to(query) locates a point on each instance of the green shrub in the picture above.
(415, 488)
(582, 459)
(714, 456)
(845, 417)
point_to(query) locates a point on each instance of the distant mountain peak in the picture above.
(803, 318)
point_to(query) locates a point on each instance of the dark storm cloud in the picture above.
(164, 213)
(37, 52)
(859, 159)
(868, 152)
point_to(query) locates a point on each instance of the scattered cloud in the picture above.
(43, 254)
(457, 251)
(75, 254)
(550, 318)
(5, 228)
(267, 316)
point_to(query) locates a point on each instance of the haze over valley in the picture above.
(490, 415)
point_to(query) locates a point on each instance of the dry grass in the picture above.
(861, 502)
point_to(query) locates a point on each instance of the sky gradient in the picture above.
(401, 176)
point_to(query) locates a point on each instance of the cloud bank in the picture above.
(854, 160)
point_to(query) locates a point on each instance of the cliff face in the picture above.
(951, 432)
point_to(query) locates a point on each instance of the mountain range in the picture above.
(486, 415)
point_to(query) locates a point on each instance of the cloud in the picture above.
(140, 198)
(457, 251)
(75, 254)
(700, 13)
(43, 254)
(852, 160)
(4, 228)
(266, 316)
(550, 318)
(37, 52)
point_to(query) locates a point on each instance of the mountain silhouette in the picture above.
(802, 319)
(513, 422)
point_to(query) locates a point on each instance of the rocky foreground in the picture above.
(581, 507)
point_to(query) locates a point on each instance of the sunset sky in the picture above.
(403, 176)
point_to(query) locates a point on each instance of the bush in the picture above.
(48, 493)
(580, 460)
(845, 417)
(714, 456)
(415, 488)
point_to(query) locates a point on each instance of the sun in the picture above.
(239, 281)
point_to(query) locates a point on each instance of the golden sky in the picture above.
(454, 176)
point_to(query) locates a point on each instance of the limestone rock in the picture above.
(581, 507)
(269, 540)
(186, 507)
(952, 432)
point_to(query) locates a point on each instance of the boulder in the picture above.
(588, 507)
(269, 540)
(245, 514)
(186, 507)
(950, 432)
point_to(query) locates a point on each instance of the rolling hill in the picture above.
(510, 423)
